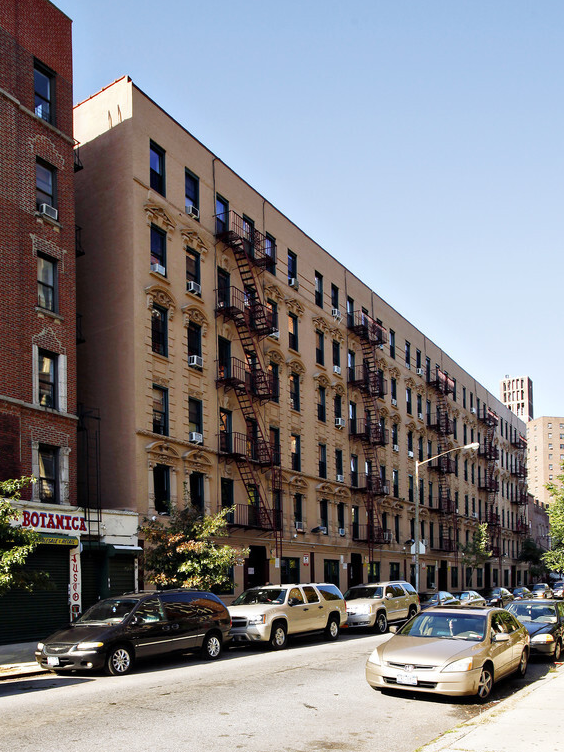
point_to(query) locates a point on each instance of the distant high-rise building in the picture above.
(516, 392)
(545, 454)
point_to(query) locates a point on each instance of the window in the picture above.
(350, 312)
(197, 491)
(248, 232)
(195, 415)
(221, 215)
(318, 289)
(395, 483)
(295, 451)
(324, 514)
(418, 359)
(45, 184)
(394, 389)
(407, 354)
(319, 348)
(410, 441)
(273, 371)
(292, 267)
(336, 353)
(335, 297)
(419, 406)
(192, 270)
(225, 437)
(48, 485)
(157, 168)
(322, 404)
(408, 403)
(410, 489)
(227, 498)
(392, 344)
(395, 434)
(339, 461)
(47, 379)
(161, 488)
(293, 331)
(158, 250)
(295, 391)
(44, 90)
(275, 445)
(322, 460)
(160, 410)
(341, 515)
(338, 406)
(194, 339)
(191, 194)
(270, 252)
(46, 283)
(354, 471)
(159, 330)
(298, 507)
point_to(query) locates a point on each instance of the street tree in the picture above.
(16, 542)
(554, 558)
(475, 552)
(533, 555)
(184, 550)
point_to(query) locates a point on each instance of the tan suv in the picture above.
(377, 603)
(272, 612)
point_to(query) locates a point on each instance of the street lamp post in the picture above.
(416, 536)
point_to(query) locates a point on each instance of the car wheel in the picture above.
(278, 636)
(412, 612)
(119, 661)
(381, 623)
(523, 663)
(485, 684)
(557, 651)
(332, 629)
(211, 647)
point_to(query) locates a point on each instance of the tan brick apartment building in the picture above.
(545, 455)
(236, 362)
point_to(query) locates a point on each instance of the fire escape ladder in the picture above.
(447, 509)
(494, 530)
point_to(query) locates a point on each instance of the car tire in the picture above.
(381, 623)
(332, 629)
(211, 647)
(485, 684)
(412, 611)
(119, 660)
(557, 655)
(523, 663)
(278, 636)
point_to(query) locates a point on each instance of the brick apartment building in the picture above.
(237, 364)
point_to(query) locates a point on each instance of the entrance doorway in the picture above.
(256, 567)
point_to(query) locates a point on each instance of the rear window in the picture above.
(330, 592)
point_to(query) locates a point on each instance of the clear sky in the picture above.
(419, 142)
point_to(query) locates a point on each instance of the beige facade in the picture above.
(516, 392)
(545, 455)
(235, 361)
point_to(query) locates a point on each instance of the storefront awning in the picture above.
(58, 540)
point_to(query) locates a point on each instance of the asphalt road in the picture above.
(311, 697)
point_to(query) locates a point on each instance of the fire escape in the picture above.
(519, 471)
(490, 484)
(251, 451)
(443, 426)
(370, 383)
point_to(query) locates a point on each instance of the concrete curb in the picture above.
(20, 670)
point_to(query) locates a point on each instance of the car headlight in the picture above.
(89, 645)
(544, 638)
(261, 619)
(40, 646)
(463, 664)
(374, 658)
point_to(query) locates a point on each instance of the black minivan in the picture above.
(115, 632)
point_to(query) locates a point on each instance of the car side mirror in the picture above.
(501, 637)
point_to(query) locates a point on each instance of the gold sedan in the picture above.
(451, 651)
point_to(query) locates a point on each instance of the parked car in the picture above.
(441, 598)
(522, 592)
(469, 598)
(377, 603)
(451, 651)
(558, 589)
(272, 612)
(545, 624)
(498, 596)
(115, 632)
(542, 590)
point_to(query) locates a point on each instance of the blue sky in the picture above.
(419, 142)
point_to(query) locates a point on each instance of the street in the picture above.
(312, 696)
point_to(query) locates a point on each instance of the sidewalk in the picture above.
(19, 660)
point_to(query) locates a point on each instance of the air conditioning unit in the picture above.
(322, 529)
(340, 478)
(158, 268)
(381, 346)
(342, 532)
(195, 361)
(473, 410)
(396, 448)
(191, 211)
(388, 536)
(293, 282)
(340, 422)
(299, 526)
(336, 313)
(419, 371)
(420, 416)
(195, 438)
(275, 335)
(194, 287)
(410, 454)
(394, 402)
(337, 370)
(49, 211)
(475, 515)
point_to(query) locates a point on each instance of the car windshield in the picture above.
(364, 592)
(446, 626)
(261, 595)
(433, 598)
(492, 591)
(558, 585)
(110, 611)
(532, 613)
(465, 596)
(539, 586)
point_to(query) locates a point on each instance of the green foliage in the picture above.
(554, 559)
(476, 552)
(16, 543)
(183, 551)
(533, 554)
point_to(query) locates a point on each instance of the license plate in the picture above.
(403, 678)
(52, 661)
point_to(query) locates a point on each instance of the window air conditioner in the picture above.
(158, 268)
(195, 361)
(420, 416)
(337, 370)
(340, 478)
(342, 532)
(275, 335)
(381, 346)
(195, 438)
(388, 536)
(475, 515)
(419, 371)
(394, 402)
(293, 282)
(396, 448)
(410, 454)
(340, 422)
(194, 287)
(322, 529)
(336, 313)
(49, 211)
(473, 410)
(191, 211)
(299, 526)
